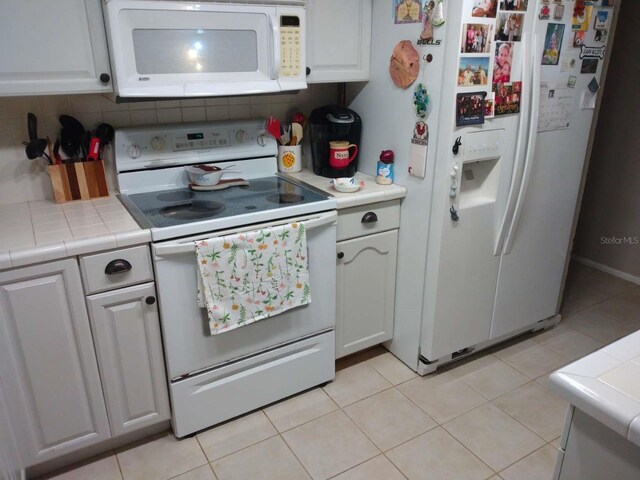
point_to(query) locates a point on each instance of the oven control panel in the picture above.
(180, 144)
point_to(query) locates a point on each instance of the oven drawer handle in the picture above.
(177, 248)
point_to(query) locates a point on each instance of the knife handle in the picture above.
(94, 149)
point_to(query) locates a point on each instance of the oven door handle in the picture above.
(186, 247)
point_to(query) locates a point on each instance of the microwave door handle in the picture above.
(275, 44)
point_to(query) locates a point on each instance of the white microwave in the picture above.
(174, 48)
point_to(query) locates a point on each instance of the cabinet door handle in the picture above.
(117, 266)
(369, 217)
(150, 300)
(340, 255)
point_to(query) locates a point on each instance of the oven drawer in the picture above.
(116, 269)
(231, 390)
(368, 219)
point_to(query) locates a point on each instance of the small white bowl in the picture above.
(206, 178)
(346, 184)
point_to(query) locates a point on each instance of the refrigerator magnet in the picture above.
(589, 65)
(404, 64)
(578, 39)
(592, 52)
(419, 150)
(427, 28)
(571, 83)
(601, 36)
(558, 12)
(470, 108)
(407, 11)
(581, 16)
(421, 100)
(545, 12)
(602, 20)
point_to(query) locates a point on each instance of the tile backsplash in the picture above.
(27, 180)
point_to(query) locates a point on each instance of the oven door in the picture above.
(190, 348)
(185, 49)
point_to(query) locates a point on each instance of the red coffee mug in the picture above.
(339, 153)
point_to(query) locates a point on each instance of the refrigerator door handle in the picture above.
(516, 177)
(531, 147)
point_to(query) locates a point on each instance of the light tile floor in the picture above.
(488, 417)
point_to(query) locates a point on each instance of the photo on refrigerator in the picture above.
(476, 38)
(507, 98)
(517, 5)
(502, 62)
(490, 105)
(552, 43)
(473, 71)
(470, 108)
(509, 27)
(484, 8)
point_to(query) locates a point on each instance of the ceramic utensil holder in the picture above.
(78, 181)
(289, 158)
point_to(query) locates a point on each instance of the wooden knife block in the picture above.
(78, 181)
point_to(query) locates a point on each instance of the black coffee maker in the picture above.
(329, 123)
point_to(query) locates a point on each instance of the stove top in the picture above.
(153, 183)
(263, 199)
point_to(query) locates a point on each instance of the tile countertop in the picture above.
(33, 232)
(370, 193)
(606, 385)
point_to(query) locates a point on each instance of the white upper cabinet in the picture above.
(338, 40)
(53, 47)
(48, 367)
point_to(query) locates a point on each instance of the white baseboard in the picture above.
(606, 269)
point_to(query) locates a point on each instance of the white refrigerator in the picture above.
(485, 235)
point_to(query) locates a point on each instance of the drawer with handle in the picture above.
(116, 269)
(367, 219)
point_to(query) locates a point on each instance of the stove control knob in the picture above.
(158, 143)
(134, 151)
(241, 136)
(262, 140)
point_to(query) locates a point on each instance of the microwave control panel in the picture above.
(289, 46)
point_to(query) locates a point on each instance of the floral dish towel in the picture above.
(243, 278)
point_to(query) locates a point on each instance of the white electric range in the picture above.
(215, 378)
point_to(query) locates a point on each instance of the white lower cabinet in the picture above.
(126, 329)
(72, 380)
(366, 275)
(48, 367)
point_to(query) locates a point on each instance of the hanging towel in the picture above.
(243, 278)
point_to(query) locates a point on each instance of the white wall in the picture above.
(611, 202)
(24, 180)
